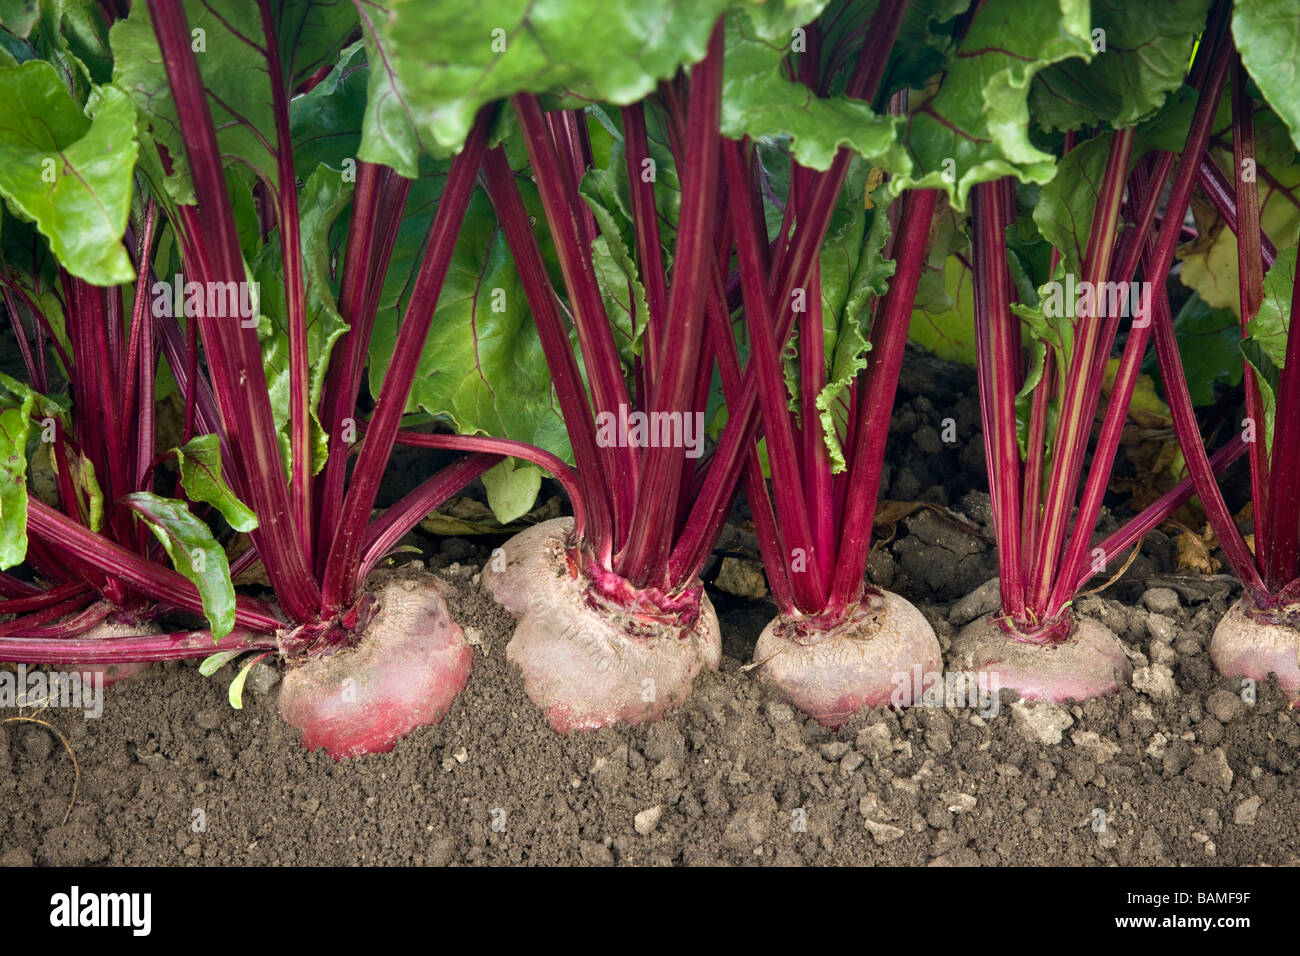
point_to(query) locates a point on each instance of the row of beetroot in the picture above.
(249, 251)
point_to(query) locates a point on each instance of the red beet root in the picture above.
(409, 666)
(588, 663)
(865, 660)
(1246, 646)
(1088, 663)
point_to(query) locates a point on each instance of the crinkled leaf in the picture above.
(194, 553)
(1267, 33)
(200, 467)
(453, 56)
(620, 284)
(69, 171)
(1141, 54)
(854, 274)
(758, 98)
(390, 131)
(974, 128)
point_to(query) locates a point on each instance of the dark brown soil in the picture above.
(733, 777)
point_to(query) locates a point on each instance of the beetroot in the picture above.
(1087, 662)
(1248, 645)
(411, 662)
(832, 672)
(587, 661)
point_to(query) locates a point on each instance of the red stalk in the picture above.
(118, 650)
(295, 292)
(997, 386)
(1250, 272)
(592, 492)
(377, 204)
(1077, 402)
(159, 583)
(561, 202)
(792, 514)
(645, 218)
(415, 507)
(234, 352)
(643, 559)
(1283, 555)
(885, 359)
(342, 570)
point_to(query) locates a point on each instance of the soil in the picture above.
(1186, 767)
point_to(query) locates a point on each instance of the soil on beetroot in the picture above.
(1180, 770)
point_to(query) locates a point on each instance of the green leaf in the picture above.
(1141, 54)
(482, 369)
(309, 34)
(194, 553)
(854, 273)
(1267, 33)
(512, 487)
(453, 56)
(1066, 204)
(1209, 341)
(943, 316)
(19, 16)
(975, 127)
(200, 466)
(236, 692)
(620, 284)
(322, 199)
(14, 426)
(234, 74)
(69, 170)
(1209, 263)
(214, 662)
(1272, 323)
(759, 100)
(326, 123)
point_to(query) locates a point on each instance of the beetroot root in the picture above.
(1246, 646)
(589, 664)
(411, 662)
(110, 673)
(1089, 663)
(864, 660)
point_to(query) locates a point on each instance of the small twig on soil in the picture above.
(1118, 574)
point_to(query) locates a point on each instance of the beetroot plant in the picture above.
(278, 380)
(1107, 215)
(1248, 179)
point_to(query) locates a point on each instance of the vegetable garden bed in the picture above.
(605, 317)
